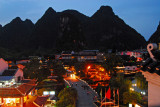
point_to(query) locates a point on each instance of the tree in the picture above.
(141, 81)
(131, 97)
(79, 66)
(112, 61)
(33, 70)
(133, 59)
(68, 98)
(119, 82)
(57, 67)
(40, 91)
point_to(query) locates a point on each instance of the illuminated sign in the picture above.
(48, 92)
(45, 93)
(52, 92)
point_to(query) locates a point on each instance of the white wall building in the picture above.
(9, 76)
(3, 65)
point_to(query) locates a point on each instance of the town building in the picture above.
(138, 54)
(24, 61)
(9, 76)
(17, 94)
(130, 68)
(15, 91)
(82, 56)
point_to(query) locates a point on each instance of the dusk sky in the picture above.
(142, 15)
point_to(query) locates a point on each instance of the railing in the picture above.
(67, 82)
(96, 94)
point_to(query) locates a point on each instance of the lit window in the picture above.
(11, 101)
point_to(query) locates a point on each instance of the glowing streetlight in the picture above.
(134, 85)
(132, 89)
(88, 67)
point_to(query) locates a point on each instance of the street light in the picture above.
(88, 69)
(132, 89)
(134, 84)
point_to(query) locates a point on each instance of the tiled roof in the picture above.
(13, 67)
(5, 78)
(152, 64)
(10, 72)
(41, 100)
(26, 88)
(10, 92)
(21, 90)
(28, 81)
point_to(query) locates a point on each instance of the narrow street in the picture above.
(85, 96)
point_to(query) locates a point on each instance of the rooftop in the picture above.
(41, 100)
(18, 90)
(5, 78)
(152, 63)
(10, 72)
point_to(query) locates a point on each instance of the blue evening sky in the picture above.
(142, 15)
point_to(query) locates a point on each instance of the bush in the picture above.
(132, 97)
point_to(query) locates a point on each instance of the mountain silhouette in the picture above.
(71, 30)
(109, 31)
(14, 34)
(46, 30)
(155, 38)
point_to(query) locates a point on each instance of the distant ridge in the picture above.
(71, 30)
(155, 38)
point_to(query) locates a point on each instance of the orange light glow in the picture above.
(72, 57)
(11, 101)
(73, 76)
(40, 61)
(88, 67)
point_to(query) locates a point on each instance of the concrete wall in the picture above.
(153, 89)
(153, 95)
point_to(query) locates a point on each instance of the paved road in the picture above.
(84, 99)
